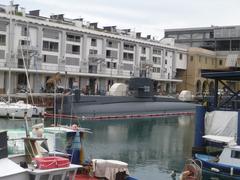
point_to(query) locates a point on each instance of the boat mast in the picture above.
(26, 64)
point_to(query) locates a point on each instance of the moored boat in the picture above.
(23, 167)
(217, 129)
(15, 110)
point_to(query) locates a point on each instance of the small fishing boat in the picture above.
(35, 164)
(226, 163)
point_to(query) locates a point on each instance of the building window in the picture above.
(220, 62)
(143, 50)
(142, 58)
(165, 61)
(191, 58)
(235, 154)
(108, 53)
(156, 60)
(111, 65)
(108, 64)
(44, 58)
(93, 42)
(75, 49)
(111, 54)
(112, 44)
(49, 33)
(72, 49)
(50, 46)
(180, 56)
(166, 53)
(2, 54)
(157, 51)
(24, 31)
(73, 38)
(93, 51)
(211, 35)
(50, 59)
(156, 69)
(128, 56)
(128, 47)
(24, 42)
(2, 40)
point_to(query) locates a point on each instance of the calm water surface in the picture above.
(151, 147)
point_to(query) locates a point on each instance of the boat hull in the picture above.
(15, 110)
(210, 166)
(91, 106)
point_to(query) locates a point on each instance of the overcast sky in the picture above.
(146, 16)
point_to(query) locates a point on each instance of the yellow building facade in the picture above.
(198, 59)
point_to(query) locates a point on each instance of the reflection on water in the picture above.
(152, 147)
(6, 124)
(16, 131)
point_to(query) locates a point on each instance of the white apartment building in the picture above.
(91, 57)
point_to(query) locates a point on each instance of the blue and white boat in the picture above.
(217, 128)
(227, 163)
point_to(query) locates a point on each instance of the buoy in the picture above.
(215, 170)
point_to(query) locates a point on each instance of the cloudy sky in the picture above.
(146, 16)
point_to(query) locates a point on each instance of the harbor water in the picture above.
(153, 148)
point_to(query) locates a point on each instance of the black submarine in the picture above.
(140, 102)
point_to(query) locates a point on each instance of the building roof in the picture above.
(47, 22)
(201, 51)
(190, 29)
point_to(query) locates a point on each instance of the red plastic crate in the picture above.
(52, 162)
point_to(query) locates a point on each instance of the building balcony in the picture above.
(73, 39)
(50, 49)
(28, 48)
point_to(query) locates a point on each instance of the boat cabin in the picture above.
(67, 141)
(230, 156)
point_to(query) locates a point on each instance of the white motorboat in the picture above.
(225, 164)
(16, 110)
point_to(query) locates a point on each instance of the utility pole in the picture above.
(10, 51)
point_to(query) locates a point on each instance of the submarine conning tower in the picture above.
(141, 87)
